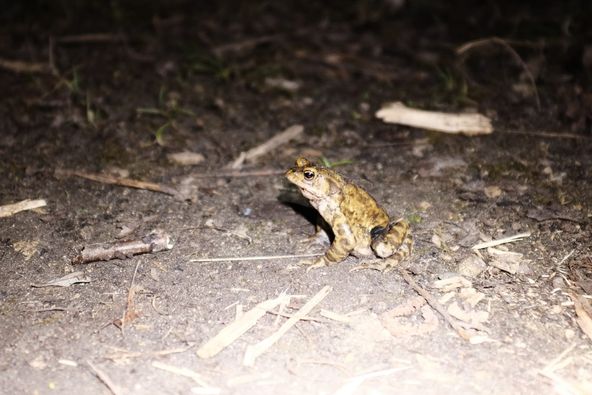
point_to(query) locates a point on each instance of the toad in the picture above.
(361, 227)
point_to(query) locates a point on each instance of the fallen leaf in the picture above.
(448, 284)
(26, 247)
(492, 191)
(507, 261)
(186, 158)
(65, 281)
(424, 205)
(470, 316)
(471, 266)
(437, 241)
(584, 320)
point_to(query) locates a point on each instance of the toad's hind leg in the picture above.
(395, 240)
(393, 246)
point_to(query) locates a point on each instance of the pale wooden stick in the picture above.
(125, 182)
(10, 209)
(235, 329)
(497, 242)
(470, 124)
(435, 304)
(185, 372)
(105, 379)
(19, 66)
(279, 139)
(255, 350)
(253, 258)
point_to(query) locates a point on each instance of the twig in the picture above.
(235, 329)
(52, 308)
(130, 313)
(565, 258)
(19, 66)
(558, 360)
(434, 303)
(286, 315)
(551, 135)
(105, 379)
(561, 385)
(122, 354)
(245, 44)
(90, 38)
(234, 174)
(339, 366)
(504, 43)
(10, 209)
(352, 384)
(279, 139)
(156, 241)
(125, 182)
(254, 258)
(497, 242)
(65, 281)
(249, 43)
(185, 372)
(470, 124)
(255, 350)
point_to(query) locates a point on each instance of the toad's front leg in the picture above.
(341, 247)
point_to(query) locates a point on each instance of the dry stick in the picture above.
(496, 40)
(185, 372)
(286, 315)
(90, 38)
(253, 258)
(279, 139)
(235, 329)
(126, 182)
(124, 354)
(434, 303)
(253, 351)
(10, 209)
(105, 379)
(550, 135)
(470, 124)
(245, 44)
(352, 384)
(129, 313)
(19, 66)
(251, 42)
(154, 242)
(497, 242)
(234, 174)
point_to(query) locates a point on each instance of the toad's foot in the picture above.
(320, 238)
(383, 265)
(314, 263)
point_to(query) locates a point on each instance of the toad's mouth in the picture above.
(309, 194)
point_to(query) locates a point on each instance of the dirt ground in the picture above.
(115, 89)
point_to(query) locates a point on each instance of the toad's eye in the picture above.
(309, 174)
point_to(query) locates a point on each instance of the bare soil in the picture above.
(161, 80)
